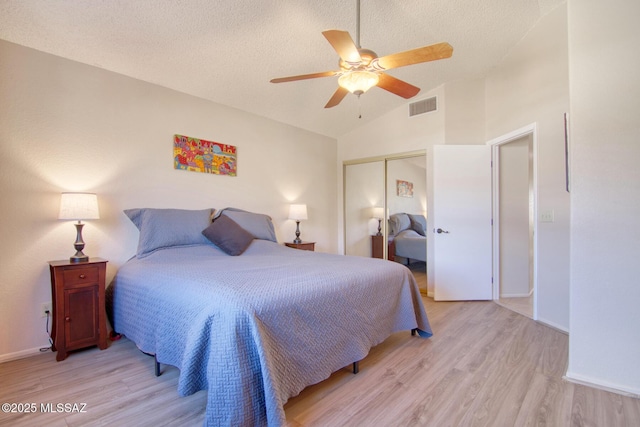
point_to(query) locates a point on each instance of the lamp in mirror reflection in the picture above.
(298, 213)
(79, 207)
(378, 213)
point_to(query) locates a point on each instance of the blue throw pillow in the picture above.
(226, 234)
(163, 228)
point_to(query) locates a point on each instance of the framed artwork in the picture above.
(404, 188)
(200, 155)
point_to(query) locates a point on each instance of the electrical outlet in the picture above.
(44, 307)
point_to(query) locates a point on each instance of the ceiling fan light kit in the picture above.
(358, 81)
(361, 69)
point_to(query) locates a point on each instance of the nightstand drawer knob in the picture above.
(67, 319)
(82, 276)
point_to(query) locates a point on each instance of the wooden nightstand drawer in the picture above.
(80, 276)
(305, 246)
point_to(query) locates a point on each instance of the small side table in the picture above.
(391, 251)
(305, 246)
(377, 243)
(376, 246)
(78, 319)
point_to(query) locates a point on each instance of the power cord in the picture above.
(44, 349)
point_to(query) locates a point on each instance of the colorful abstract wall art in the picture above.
(199, 155)
(404, 188)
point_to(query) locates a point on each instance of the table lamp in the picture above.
(378, 213)
(79, 206)
(297, 213)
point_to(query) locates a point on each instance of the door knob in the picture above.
(440, 231)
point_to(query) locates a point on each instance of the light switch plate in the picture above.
(546, 216)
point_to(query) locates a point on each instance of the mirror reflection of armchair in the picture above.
(407, 235)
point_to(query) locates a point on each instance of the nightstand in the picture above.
(376, 246)
(377, 249)
(305, 246)
(78, 318)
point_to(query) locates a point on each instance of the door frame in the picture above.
(495, 144)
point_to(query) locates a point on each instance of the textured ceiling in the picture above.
(227, 51)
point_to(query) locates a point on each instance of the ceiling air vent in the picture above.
(425, 106)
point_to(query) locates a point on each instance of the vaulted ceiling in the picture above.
(227, 51)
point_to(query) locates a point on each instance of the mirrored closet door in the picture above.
(390, 194)
(363, 193)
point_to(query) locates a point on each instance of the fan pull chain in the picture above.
(359, 108)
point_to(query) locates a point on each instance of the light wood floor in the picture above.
(485, 366)
(522, 305)
(419, 270)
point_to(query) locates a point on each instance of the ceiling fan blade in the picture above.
(344, 45)
(415, 56)
(337, 97)
(397, 86)
(304, 77)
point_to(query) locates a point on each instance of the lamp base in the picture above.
(79, 245)
(79, 258)
(297, 239)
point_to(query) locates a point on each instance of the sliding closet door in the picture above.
(363, 190)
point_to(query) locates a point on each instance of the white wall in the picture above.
(531, 85)
(66, 126)
(465, 112)
(604, 344)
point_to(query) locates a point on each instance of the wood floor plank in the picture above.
(485, 365)
(547, 402)
(593, 407)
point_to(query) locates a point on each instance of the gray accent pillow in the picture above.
(259, 225)
(398, 222)
(418, 223)
(226, 234)
(163, 228)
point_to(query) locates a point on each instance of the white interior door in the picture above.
(462, 222)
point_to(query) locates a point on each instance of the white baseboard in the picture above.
(20, 354)
(602, 385)
(515, 295)
(554, 326)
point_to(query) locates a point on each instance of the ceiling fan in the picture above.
(361, 69)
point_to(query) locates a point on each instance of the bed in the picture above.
(408, 234)
(255, 328)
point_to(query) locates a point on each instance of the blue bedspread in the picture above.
(411, 245)
(256, 329)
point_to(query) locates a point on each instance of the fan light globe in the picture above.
(359, 81)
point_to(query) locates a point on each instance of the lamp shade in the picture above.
(79, 206)
(358, 81)
(378, 212)
(298, 212)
